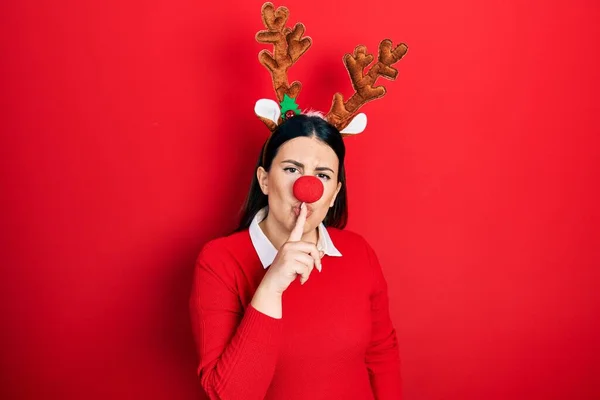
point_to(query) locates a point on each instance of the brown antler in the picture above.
(288, 46)
(341, 111)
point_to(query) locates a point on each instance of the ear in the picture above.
(339, 187)
(268, 111)
(263, 179)
(356, 126)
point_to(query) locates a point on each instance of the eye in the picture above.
(291, 170)
(324, 176)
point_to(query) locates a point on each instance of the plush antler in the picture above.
(288, 46)
(341, 112)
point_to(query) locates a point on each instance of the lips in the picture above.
(297, 210)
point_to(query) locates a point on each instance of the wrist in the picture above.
(268, 289)
(267, 301)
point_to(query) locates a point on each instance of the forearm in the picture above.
(267, 301)
(238, 349)
(383, 356)
(385, 376)
(247, 364)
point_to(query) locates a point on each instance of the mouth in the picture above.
(296, 209)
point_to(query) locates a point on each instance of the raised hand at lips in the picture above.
(308, 189)
(295, 258)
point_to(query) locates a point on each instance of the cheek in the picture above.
(281, 186)
(328, 194)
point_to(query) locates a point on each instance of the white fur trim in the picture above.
(356, 126)
(268, 108)
(314, 113)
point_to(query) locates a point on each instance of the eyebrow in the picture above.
(300, 165)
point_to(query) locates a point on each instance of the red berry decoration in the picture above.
(289, 114)
(308, 189)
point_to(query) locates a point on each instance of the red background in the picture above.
(129, 139)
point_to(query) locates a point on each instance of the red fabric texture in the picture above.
(335, 339)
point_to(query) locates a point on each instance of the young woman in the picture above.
(292, 306)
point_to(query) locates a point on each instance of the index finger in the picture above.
(298, 230)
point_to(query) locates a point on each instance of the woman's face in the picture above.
(295, 158)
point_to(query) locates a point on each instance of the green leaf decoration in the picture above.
(289, 104)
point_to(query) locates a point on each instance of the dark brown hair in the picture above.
(299, 126)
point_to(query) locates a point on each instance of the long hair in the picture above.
(299, 126)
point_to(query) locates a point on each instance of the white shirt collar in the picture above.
(267, 252)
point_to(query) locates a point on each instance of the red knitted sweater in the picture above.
(335, 340)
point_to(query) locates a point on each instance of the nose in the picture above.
(308, 189)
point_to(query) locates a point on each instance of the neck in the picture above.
(278, 234)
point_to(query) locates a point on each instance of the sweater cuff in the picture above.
(259, 327)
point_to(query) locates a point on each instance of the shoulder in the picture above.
(347, 238)
(224, 245)
(216, 267)
(223, 252)
(362, 253)
(350, 241)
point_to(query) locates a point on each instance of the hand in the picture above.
(294, 258)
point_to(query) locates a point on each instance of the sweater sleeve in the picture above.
(382, 357)
(237, 350)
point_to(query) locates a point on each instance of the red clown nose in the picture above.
(308, 189)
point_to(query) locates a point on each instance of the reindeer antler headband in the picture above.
(290, 44)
